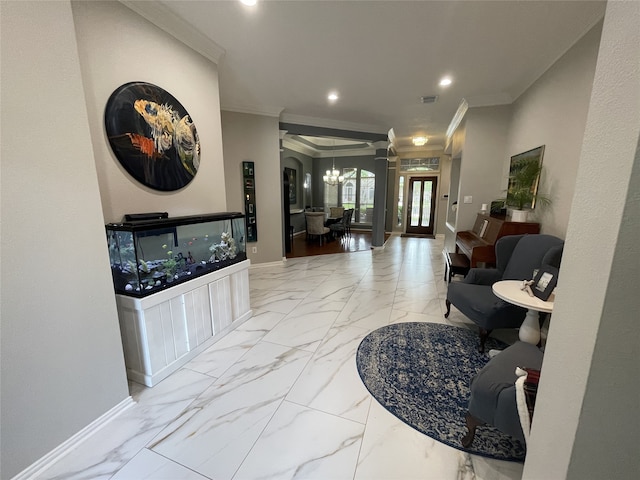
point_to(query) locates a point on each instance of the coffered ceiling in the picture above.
(282, 58)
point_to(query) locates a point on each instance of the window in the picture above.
(367, 190)
(330, 196)
(357, 192)
(349, 193)
(349, 188)
(420, 164)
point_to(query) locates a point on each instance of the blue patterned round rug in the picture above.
(420, 372)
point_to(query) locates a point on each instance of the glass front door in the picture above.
(421, 208)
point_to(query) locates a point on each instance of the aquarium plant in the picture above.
(170, 266)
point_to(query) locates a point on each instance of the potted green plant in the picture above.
(522, 194)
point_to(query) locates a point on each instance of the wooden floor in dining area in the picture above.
(355, 242)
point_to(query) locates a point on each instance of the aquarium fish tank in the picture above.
(150, 255)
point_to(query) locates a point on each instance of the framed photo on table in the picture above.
(544, 282)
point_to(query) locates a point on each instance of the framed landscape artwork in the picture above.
(524, 177)
(152, 136)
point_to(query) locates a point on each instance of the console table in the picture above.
(511, 291)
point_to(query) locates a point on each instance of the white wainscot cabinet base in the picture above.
(162, 332)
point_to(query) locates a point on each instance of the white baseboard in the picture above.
(32, 471)
(267, 264)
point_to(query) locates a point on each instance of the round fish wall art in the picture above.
(152, 136)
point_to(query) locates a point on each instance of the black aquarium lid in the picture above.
(134, 217)
(145, 224)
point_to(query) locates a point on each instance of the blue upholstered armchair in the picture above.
(516, 258)
(493, 392)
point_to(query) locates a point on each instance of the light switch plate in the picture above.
(468, 199)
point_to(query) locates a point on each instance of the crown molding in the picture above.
(354, 152)
(490, 100)
(301, 147)
(328, 123)
(298, 147)
(253, 110)
(165, 19)
(457, 118)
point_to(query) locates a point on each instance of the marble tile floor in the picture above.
(280, 397)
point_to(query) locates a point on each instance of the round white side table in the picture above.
(511, 291)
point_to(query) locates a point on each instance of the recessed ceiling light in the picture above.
(333, 96)
(446, 81)
(249, 3)
(419, 141)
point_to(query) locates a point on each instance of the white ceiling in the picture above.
(283, 57)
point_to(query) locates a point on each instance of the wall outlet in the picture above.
(468, 199)
(254, 249)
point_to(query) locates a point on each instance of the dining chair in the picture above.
(315, 225)
(340, 228)
(349, 219)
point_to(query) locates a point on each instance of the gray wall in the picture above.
(264, 150)
(301, 164)
(62, 361)
(443, 189)
(483, 155)
(108, 61)
(553, 112)
(478, 155)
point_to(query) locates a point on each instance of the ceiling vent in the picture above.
(429, 99)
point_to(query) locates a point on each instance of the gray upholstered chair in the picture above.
(493, 391)
(516, 258)
(343, 226)
(315, 225)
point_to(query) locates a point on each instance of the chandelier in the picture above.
(333, 176)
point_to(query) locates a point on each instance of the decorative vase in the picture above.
(519, 215)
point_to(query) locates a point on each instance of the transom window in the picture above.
(420, 164)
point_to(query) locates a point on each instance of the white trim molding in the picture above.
(255, 266)
(328, 123)
(35, 469)
(264, 110)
